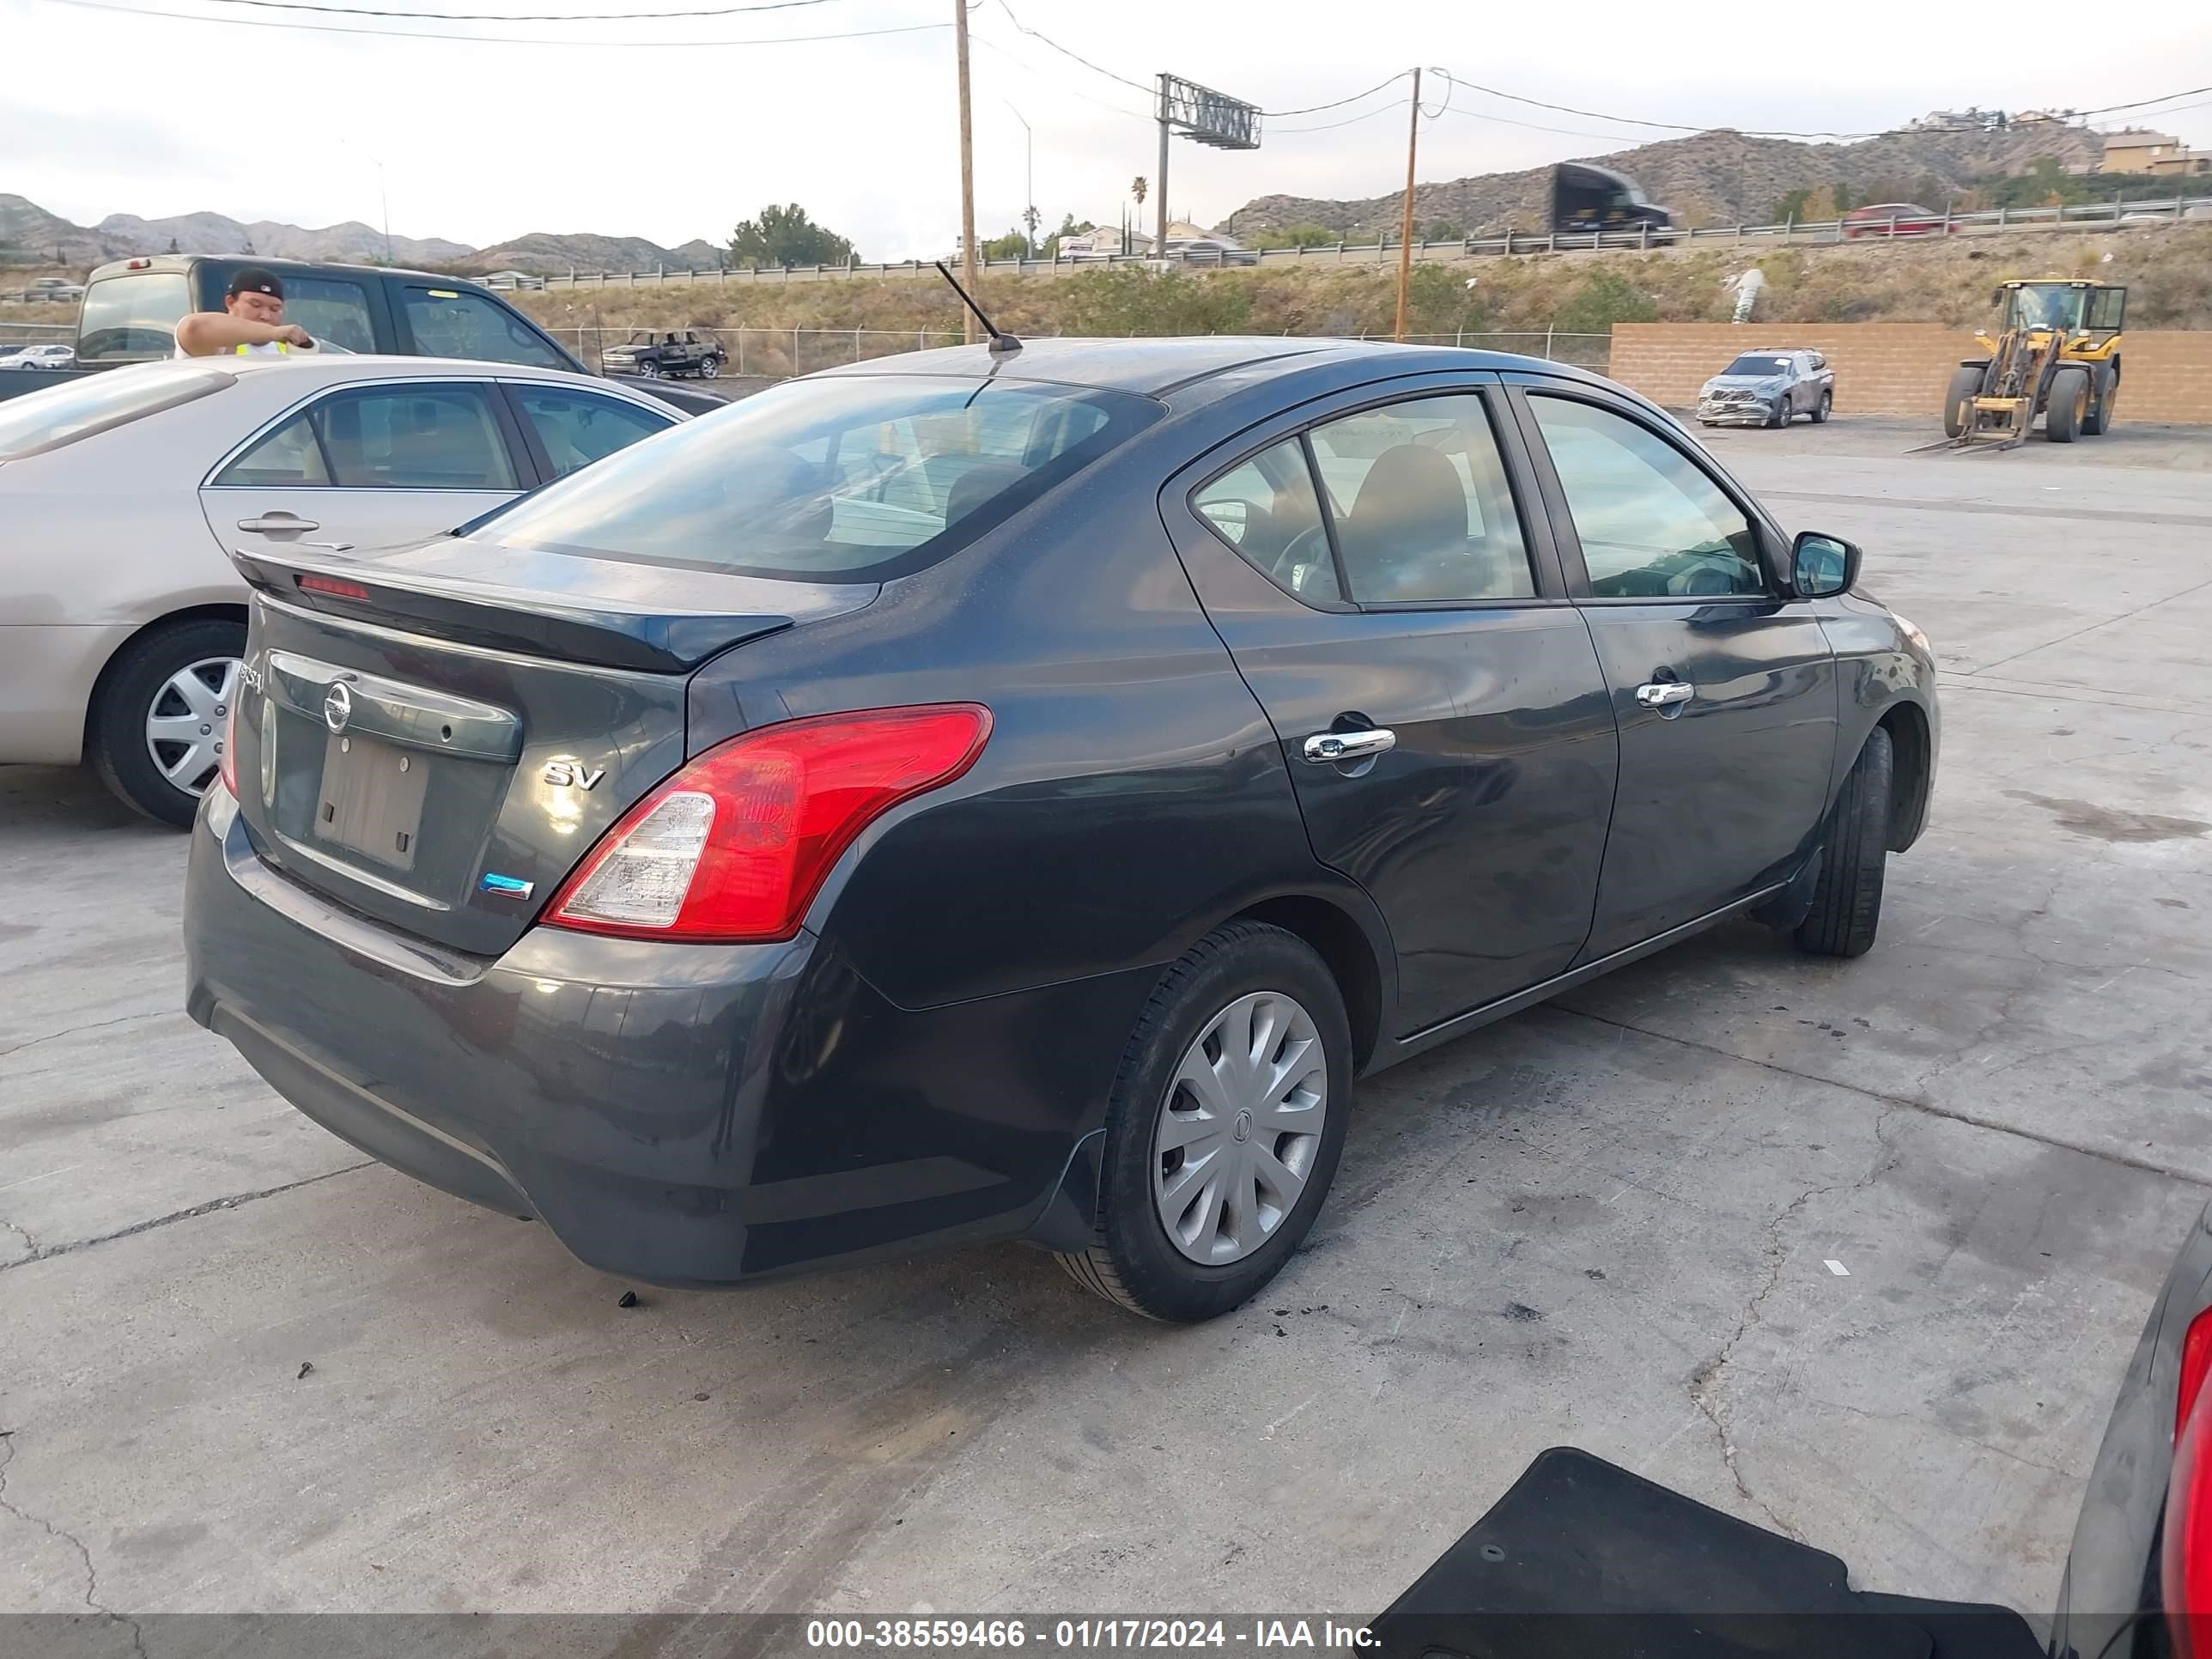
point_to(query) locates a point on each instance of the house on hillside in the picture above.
(2139, 150)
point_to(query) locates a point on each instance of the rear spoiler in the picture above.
(656, 639)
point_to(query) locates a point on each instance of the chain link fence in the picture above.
(779, 353)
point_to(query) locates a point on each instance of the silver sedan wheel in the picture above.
(1240, 1128)
(185, 722)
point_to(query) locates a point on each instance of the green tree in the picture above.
(1303, 235)
(1601, 299)
(786, 236)
(1014, 245)
(1443, 230)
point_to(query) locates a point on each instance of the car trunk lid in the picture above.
(435, 739)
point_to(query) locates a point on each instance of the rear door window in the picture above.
(334, 311)
(1423, 511)
(578, 428)
(459, 322)
(1265, 508)
(290, 457)
(415, 437)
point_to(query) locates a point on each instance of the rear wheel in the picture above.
(2104, 391)
(2068, 406)
(1224, 1127)
(1959, 401)
(158, 718)
(1847, 898)
(1822, 410)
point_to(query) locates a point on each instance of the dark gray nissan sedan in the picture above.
(1013, 794)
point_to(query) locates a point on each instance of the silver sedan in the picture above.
(121, 618)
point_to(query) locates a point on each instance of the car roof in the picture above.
(1154, 367)
(311, 369)
(144, 261)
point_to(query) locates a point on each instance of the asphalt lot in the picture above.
(1609, 1222)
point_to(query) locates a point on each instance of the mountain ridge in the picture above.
(27, 225)
(1720, 177)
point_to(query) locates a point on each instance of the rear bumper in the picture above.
(2111, 1571)
(681, 1114)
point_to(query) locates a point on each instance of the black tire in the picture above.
(649, 370)
(2104, 393)
(1847, 897)
(1958, 400)
(116, 733)
(1131, 1260)
(711, 368)
(2068, 403)
(1779, 414)
(1822, 410)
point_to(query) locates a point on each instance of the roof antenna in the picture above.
(1002, 343)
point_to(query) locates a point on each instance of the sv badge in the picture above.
(563, 774)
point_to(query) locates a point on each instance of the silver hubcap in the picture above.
(185, 722)
(1240, 1128)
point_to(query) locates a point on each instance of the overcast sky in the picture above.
(482, 141)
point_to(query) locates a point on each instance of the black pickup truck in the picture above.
(132, 308)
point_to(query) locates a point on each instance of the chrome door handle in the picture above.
(278, 523)
(1327, 748)
(1658, 694)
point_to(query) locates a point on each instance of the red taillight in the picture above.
(736, 845)
(2185, 1564)
(2196, 1363)
(136, 264)
(331, 585)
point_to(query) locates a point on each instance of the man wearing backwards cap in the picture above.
(251, 321)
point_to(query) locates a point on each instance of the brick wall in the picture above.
(1900, 369)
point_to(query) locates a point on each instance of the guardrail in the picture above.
(778, 353)
(2085, 215)
(36, 333)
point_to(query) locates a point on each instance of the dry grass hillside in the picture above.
(1719, 177)
(2167, 270)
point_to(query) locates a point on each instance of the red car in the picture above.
(1895, 219)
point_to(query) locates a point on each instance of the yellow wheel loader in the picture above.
(2056, 353)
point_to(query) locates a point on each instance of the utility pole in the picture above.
(1160, 183)
(1405, 232)
(967, 171)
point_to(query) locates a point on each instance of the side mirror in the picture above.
(1821, 567)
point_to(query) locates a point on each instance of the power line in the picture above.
(1316, 109)
(522, 16)
(1020, 62)
(485, 40)
(1064, 52)
(1539, 103)
(2108, 108)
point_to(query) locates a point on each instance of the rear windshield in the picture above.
(62, 413)
(830, 480)
(128, 318)
(1758, 366)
